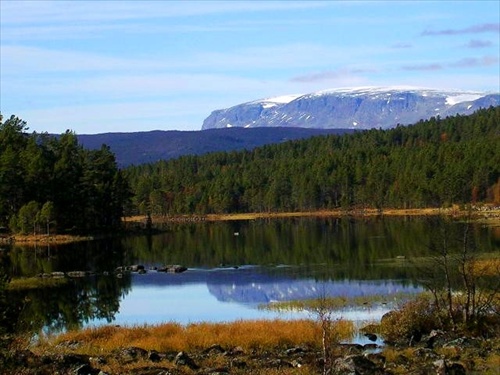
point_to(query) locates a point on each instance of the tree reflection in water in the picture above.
(321, 250)
(74, 302)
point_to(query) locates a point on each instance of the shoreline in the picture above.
(488, 216)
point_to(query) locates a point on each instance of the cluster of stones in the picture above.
(119, 271)
(348, 359)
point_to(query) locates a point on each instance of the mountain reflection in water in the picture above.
(231, 294)
(376, 256)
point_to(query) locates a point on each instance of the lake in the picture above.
(234, 268)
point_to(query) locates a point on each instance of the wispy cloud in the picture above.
(338, 76)
(423, 67)
(468, 62)
(319, 80)
(172, 62)
(315, 77)
(475, 29)
(475, 43)
(474, 62)
(401, 45)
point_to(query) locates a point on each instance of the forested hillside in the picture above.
(149, 147)
(435, 163)
(54, 184)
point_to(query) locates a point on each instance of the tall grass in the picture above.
(249, 335)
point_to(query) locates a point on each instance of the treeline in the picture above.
(52, 184)
(433, 163)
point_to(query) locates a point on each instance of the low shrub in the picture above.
(411, 320)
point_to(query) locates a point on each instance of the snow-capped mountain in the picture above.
(355, 108)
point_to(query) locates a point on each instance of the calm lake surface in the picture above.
(234, 268)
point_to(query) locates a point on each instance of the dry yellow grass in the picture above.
(491, 364)
(451, 352)
(486, 267)
(259, 334)
(392, 354)
(251, 337)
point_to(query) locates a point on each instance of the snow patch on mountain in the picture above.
(460, 98)
(360, 107)
(272, 102)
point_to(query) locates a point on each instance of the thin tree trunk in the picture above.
(448, 279)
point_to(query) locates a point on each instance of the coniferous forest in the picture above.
(434, 163)
(50, 184)
(53, 184)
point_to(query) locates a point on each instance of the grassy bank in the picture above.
(257, 347)
(210, 345)
(246, 334)
(420, 340)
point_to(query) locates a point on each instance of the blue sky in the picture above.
(123, 66)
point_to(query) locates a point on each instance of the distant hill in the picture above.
(147, 147)
(352, 108)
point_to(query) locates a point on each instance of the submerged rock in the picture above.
(136, 268)
(371, 336)
(173, 269)
(78, 273)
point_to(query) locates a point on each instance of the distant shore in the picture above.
(490, 216)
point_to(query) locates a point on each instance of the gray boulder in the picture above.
(355, 365)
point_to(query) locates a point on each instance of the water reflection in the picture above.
(230, 294)
(70, 305)
(339, 257)
(74, 302)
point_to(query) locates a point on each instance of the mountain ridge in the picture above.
(352, 108)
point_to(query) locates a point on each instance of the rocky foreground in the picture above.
(437, 353)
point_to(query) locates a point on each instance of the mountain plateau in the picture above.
(352, 108)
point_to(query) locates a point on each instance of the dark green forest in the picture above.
(434, 163)
(52, 184)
